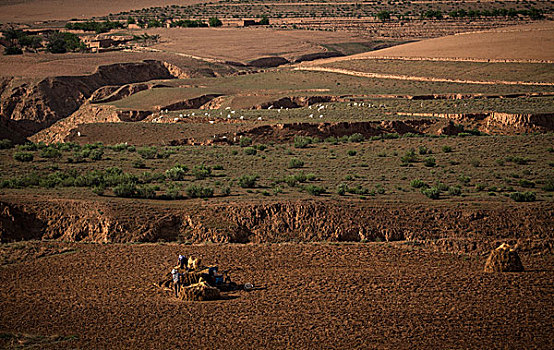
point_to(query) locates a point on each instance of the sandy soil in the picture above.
(533, 42)
(244, 44)
(41, 10)
(359, 296)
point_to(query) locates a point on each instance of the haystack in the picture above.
(199, 292)
(504, 259)
(187, 278)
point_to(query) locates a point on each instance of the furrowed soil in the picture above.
(375, 295)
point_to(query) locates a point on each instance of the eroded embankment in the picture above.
(87, 114)
(306, 221)
(288, 131)
(496, 122)
(35, 106)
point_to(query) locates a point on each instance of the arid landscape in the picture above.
(352, 165)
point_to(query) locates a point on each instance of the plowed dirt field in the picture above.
(375, 295)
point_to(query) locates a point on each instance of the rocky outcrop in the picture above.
(34, 107)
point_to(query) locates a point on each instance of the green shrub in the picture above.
(218, 167)
(146, 191)
(342, 189)
(302, 141)
(96, 154)
(464, 179)
(446, 149)
(23, 156)
(295, 163)
(177, 173)
(526, 183)
(27, 147)
(418, 183)
(429, 162)
(226, 191)
(332, 140)
(549, 184)
(523, 196)
(357, 137)
(315, 190)
(50, 152)
(454, 191)
(248, 181)
(201, 172)
(409, 157)
(351, 152)
(215, 22)
(195, 191)
(139, 164)
(358, 190)
(479, 187)
(250, 151)
(423, 150)
(6, 144)
(433, 192)
(172, 192)
(99, 190)
(127, 190)
(148, 152)
(245, 141)
(119, 147)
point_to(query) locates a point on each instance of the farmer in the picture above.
(182, 261)
(176, 283)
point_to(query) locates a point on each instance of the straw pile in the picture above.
(200, 291)
(504, 259)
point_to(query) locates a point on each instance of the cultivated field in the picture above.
(249, 43)
(316, 296)
(520, 43)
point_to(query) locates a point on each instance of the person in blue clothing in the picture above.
(176, 281)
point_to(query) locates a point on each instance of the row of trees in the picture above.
(532, 13)
(183, 23)
(56, 42)
(93, 26)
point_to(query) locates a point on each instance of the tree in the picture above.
(383, 16)
(215, 22)
(63, 42)
(264, 21)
